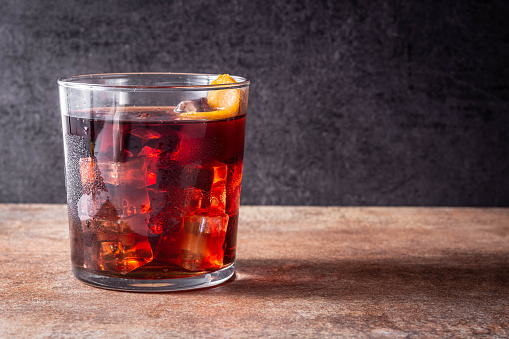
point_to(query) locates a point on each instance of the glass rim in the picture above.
(77, 82)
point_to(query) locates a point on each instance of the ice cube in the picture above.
(130, 201)
(150, 152)
(134, 227)
(198, 105)
(90, 174)
(126, 185)
(145, 134)
(164, 222)
(97, 215)
(151, 177)
(95, 205)
(168, 144)
(152, 156)
(174, 200)
(133, 143)
(233, 188)
(116, 256)
(137, 138)
(104, 228)
(130, 173)
(217, 195)
(114, 219)
(160, 150)
(192, 200)
(210, 179)
(97, 224)
(120, 245)
(202, 242)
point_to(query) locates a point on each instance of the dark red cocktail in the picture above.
(152, 195)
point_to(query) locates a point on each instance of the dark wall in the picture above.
(351, 102)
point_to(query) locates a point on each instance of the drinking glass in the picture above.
(153, 175)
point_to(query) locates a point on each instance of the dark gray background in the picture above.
(351, 102)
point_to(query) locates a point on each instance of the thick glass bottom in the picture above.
(159, 285)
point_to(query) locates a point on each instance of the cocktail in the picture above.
(153, 176)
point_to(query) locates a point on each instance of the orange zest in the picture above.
(225, 102)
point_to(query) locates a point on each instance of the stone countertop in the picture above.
(301, 271)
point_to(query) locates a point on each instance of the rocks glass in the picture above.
(153, 175)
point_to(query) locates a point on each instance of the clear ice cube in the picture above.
(165, 222)
(144, 134)
(152, 157)
(197, 105)
(130, 173)
(114, 218)
(159, 149)
(119, 245)
(202, 242)
(168, 144)
(130, 201)
(209, 178)
(117, 256)
(174, 202)
(233, 186)
(217, 195)
(135, 140)
(91, 179)
(94, 205)
(126, 182)
(178, 187)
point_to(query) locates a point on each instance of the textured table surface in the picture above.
(301, 271)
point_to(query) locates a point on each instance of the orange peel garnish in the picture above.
(226, 102)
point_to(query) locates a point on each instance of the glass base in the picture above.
(159, 285)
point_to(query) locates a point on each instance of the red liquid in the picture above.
(150, 197)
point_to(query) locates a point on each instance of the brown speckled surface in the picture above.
(301, 271)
